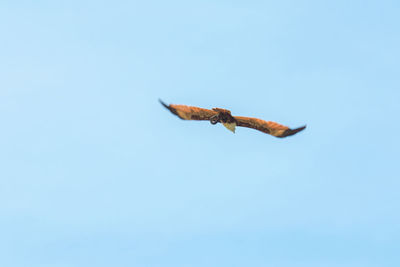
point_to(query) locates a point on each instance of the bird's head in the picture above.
(224, 116)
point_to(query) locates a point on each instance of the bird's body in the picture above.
(224, 116)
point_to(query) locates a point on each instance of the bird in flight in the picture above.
(224, 116)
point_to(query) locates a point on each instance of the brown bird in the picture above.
(224, 116)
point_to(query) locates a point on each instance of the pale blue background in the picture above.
(95, 172)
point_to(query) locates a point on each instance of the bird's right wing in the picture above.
(190, 113)
(268, 127)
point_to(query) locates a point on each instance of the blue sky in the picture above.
(94, 172)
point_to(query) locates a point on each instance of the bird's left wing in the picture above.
(190, 113)
(268, 127)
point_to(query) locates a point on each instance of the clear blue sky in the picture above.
(95, 172)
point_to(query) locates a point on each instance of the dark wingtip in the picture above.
(173, 110)
(162, 103)
(300, 129)
(290, 132)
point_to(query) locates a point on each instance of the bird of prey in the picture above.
(224, 116)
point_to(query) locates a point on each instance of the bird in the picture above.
(220, 115)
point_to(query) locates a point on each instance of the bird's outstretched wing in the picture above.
(190, 113)
(230, 122)
(268, 127)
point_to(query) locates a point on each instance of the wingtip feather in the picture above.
(162, 103)
(290, 132)
(295, 131)
(173, 110)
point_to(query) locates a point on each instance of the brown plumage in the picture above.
(224, 116)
